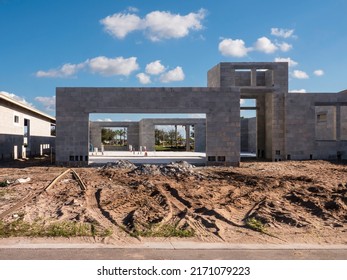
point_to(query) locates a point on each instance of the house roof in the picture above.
(26, 107)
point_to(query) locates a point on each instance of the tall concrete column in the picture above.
(133, 135)
(338, 122)
(261, 127)
(147, 134)
(253, 77)
(95, 135)
(200, 138)
(187, 137)
(72, 141)
(176, 136)
(223, 136)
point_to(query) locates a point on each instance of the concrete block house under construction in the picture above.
(24, 131)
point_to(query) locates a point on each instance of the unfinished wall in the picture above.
(12, 132)
(343, 118)
(200, 137)
(288, 125)
(325, 122)
(132, 133)
(147, 131)
(248, 135)
(315, 125)
(221, 107)
(268, 84)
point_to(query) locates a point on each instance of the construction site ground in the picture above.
(291, 202)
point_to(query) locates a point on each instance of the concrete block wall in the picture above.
(147, 131)
(231, 74)
(223, 131)
(276, 114)
(214, 76)
(72, 132)
(244, 135)
(261, 127)
(220, 105)
(267, 83)
(305, 138)
(132, 133)
(144, 132)
(243, 78)
(10, 146)
(248, 135)
(252, 135)
(95, 135)
(147, 134)
(325, 122)
(200, 137)
(268, 125)
(300, 126)
(286, 123)
(343, 118)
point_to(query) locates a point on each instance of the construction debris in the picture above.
(258, 202)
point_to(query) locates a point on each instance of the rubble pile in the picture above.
(146, 169)
(177, 168)
(122, 164)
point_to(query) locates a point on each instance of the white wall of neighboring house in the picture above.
(12, 139)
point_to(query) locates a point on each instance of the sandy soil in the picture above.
(296, 202)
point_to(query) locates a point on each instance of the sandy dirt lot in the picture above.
(259, 202)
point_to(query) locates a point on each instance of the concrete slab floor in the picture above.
(151, 157)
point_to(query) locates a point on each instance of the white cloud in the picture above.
(285, 47)
(298, 74)
(155, 68)
(174, 75)
(291, 62)
(235, 48)
(16, 98)
(265, 45)
(319, 72)
(47, 102)
(242, 101)
(67, 70)
(158, 25)
(104, 120)
(113, 66)
(280, 32)
(143, 78)
(164, 25)
(101, 65)
(119, 25)
(197, 116)
(133, 9)
(298, 90)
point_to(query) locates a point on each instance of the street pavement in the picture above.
(171, 251)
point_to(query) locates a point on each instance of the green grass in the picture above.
(256, 225)
(169, 148)
(4, 192)
(3, 184)
(166, 230)
(56, 229)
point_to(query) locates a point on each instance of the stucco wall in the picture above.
(12, 133)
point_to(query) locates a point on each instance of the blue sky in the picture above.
(46, 44)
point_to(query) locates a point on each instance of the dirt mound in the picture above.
(178, 168)
(122, 164)
(146, 169)
(257, 202)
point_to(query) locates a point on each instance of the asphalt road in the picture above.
(170, 254)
